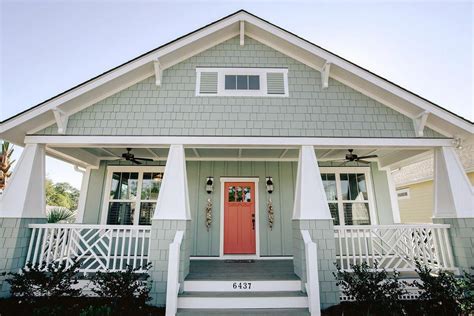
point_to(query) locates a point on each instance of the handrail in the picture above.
(312, 278)
(172, 285)
(96, 226)
(392, 226)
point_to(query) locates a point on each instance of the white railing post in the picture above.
(172, 285)
(312, 278)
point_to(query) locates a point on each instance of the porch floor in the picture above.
(227, 270)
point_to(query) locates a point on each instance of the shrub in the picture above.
(56, 281)
(127, 289)
(374, 290)
(443, 293)
(57, 214)
(96, 310)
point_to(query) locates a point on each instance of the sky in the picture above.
(47, 47)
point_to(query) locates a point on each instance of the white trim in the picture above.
(405, 190)
(236, 302)
(370, 192)
(260, 72)
(392, 188)
(280, 142)
(419, 123)
(62, 119)
(257, 219)
(242, 33)
(81, 205)
(325, 75)
(256, 285)
(108, 183)
(225, 258)
(158, 72)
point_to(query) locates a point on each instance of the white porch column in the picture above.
(24, 196)
(311, 213)
(81, 205)
(453, 192)
(310, 197)
(173, 201)
(172, 214)
(22, 203)
(454, 204)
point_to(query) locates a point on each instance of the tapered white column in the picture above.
(310, 197)
(173, 200)
(24, 196)
(453, 192)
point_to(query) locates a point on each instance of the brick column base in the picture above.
(14, 241)
(322, 233)
(461, 235)
(162, 234)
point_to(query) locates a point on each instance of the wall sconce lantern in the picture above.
(269, 184)
(210, 185)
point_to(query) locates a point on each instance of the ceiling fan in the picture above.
(353, 157)
(131, 157)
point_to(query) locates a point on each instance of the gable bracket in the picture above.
(325, 75)
(419, 123)
(158, 72)
(61, 118)
(242, 33)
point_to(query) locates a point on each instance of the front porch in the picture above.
(163, 212)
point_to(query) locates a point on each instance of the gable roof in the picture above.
(169, 54)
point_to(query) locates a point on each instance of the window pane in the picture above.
(151, 185)
(230, 82)
(334, 212)
(247, 194)
(146, 213)
(356, 214)
(329, 182)
(114, 193)
(344, 186)
(231, 194)
(361, 183)
(242, 83)
(120, 213)
(254, 83)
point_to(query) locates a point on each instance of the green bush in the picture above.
(375, 290)
(444, 293)
(96, 310)
(56, 281)
(127, 289)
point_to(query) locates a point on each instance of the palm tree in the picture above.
(5, 164)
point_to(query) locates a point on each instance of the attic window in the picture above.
(249, 82)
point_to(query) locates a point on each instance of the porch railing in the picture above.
(394, 246)
(96, 247)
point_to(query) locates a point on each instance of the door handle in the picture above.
(253, 221)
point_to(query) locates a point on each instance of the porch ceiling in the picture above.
(394, 157)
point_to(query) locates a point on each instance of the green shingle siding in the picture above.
(174, 110)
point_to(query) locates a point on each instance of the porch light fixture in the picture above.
(269, 184)
(158, 176)
(210, 185)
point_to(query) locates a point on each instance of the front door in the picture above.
(239, 218)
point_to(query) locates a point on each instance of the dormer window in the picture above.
(248, 82)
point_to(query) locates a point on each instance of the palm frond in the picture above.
(57, 214)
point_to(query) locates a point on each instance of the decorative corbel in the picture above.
(419, 123)
(242, 33)
(325, 74)
(61, 118)
(158, 72)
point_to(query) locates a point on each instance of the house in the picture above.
(242, 161)
(414, 184)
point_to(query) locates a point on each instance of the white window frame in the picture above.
(261, 72)
(407, 191)
(340, 202)
(141, 170)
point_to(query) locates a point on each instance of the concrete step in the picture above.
(240, 285)
(246, 312)
(242, 300)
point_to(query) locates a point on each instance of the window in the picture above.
(132, 195)
(403, 194)
(348, 195)
(251, 82)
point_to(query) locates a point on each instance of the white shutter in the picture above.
(208, 83)
(275, 83)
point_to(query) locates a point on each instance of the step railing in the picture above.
(172, 285)
(394, 247)
(96, 247)
(312, 278)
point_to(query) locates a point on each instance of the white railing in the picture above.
(394, 246)
(96, 247)
(172, 286)
(312, 278)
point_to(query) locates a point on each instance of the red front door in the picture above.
(239, 218)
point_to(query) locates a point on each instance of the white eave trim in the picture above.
(419, 123)
(62, 119)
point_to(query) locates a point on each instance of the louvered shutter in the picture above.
(275, 83)
(208, 83)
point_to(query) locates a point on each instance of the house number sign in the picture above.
(242, 286)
